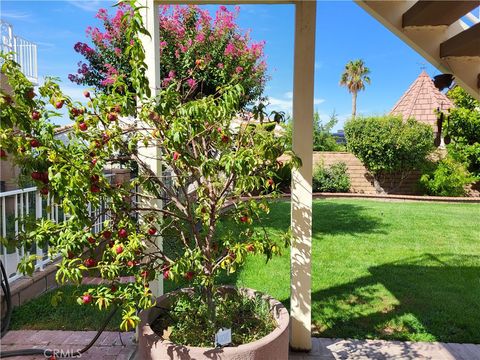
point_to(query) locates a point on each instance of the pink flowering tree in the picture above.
(200, 53)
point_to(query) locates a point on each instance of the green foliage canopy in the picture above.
(387, 144)
(463, 127)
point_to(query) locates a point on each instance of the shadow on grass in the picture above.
(429, 298)
(330, 218)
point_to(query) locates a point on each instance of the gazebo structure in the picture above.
(433, 28)
(423, 102)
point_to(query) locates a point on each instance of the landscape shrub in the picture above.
(389, 144)
(448, 178)
(462, 129)
(331, 179)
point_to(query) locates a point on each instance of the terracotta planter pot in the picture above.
(274, 346)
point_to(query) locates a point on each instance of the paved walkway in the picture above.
(336, 349)
(109, 347)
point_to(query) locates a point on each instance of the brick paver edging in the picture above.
(109, 346)
(471, 200)
(386, 197)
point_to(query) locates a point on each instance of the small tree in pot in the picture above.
(212, 163)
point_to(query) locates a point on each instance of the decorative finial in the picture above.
(423, 66)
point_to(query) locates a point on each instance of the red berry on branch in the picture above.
(250, 247)
(176, 155)
(94, 161)
(36, 175)
(111, 243)
(91, 240)
(244, 219)
(94, 188)
(3, 154)
(44, 191)
(112, 117)
(31, 94)
(86, 94)
(44, 177)
(34, 143)
(87, 299)
(59, 104)
(131, 263)
(105, 138)
(144, 274)
(270, 182)
(152, 231)
(166, 274)
(83, 126)
(90, 262)
(122, 233)
(119, 249)
(225, 139)
(70, 255)
(107, 234)
(35, 115)
(189, 275)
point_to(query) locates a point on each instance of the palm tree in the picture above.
(354, 79)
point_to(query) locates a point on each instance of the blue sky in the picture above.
(344, 32)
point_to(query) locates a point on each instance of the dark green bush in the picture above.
(387, 144)
(283, 178)
(332, 179)
(447, 178)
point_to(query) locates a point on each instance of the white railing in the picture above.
(27, 204)
(16, 206)
(24, 51)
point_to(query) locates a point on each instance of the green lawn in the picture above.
(390, 270)
(39, 314)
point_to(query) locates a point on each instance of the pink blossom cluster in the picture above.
(191, 39)
(197, 50)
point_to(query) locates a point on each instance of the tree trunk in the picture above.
(354, 104)
(377, 184)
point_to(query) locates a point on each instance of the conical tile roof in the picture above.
(421, 101)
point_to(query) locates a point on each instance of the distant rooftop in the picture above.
(421, 101)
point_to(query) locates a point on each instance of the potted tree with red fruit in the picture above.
(214, 169)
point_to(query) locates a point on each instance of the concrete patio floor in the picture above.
(115, 346)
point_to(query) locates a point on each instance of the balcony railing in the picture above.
(24, 51)
(16, 207)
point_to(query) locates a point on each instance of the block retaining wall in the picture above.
(362, 181)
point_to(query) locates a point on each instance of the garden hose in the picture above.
(47, 352)
(8, 299)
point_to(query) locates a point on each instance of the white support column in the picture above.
(301, 222)
(152, 155)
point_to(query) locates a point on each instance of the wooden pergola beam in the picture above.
(437, 13)
(466, 43)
